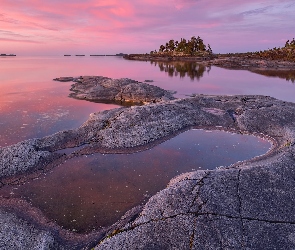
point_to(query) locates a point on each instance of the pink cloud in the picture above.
(18, 40)
(140, 26)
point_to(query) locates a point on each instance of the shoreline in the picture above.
(114, 131)
(228, 62)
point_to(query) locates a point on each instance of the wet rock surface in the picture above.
(124, 90)
(249, 205)
(25, 227)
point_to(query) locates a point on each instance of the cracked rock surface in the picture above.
(248, 205)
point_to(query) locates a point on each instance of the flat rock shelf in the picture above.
(248, 205)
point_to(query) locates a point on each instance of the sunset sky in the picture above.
(56, 27)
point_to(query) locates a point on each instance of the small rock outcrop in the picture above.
(123, 91)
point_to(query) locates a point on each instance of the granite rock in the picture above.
(248, 205)
(122, 91)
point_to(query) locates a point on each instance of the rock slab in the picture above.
(249, 205)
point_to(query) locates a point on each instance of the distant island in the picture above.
(175, 50)
(195, 50)
(7, 55)
(191, 47)
(119, 54)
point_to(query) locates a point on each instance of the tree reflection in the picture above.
(289, 75)
(192, 70)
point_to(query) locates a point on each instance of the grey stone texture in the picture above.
(25, 227)
(124, 90)
(248, 205)
(17, 233)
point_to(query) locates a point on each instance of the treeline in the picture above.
(286, 53)
(289, 44)
(193, 46)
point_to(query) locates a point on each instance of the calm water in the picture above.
(89, 192)
(32, 105)
(96, 190)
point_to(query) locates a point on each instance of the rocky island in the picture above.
(248, 205)
(195, 50)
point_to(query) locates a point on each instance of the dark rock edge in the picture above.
(225, 208)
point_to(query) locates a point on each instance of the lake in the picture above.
(33, 105)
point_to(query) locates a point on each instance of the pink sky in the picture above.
(57, 27)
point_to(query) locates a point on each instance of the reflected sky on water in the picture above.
(32, 105)
(88, 192)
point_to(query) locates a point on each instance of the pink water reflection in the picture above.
(32, 105)
(96, 190)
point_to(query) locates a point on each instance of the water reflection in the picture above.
(192, 70)
(32, 105)
(88, 192)
(289, 75)
(32, 112)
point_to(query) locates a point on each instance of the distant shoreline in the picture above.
(7, 55)
(120, 54)
(229, 61)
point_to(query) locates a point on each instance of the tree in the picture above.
(181, 45)
(209, 50)
(190, 47)
(171, 45)
(200, 44)
(167, 47)
(162, 48)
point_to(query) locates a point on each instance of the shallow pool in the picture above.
(94, 191)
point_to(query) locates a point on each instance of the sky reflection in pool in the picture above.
(93, 191)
